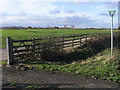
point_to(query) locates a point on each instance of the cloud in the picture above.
(111, 4)
(70, 11)
(46, 21)
(55, 11)
(72, 0)
(13, 14)
(119, 14)
(33, 7)
(75, 20)
(43, 21)
(104, 14)
(36, 7)
(37, 13)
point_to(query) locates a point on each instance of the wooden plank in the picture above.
(83, 37)
(76, 44)
(76, 41)
(68, 36)
(68, 43)
(15, 41)
(77, 38)
(22, 50)
(21, 46)
(68, 40)
(9, 43)
(67, 46)
(20, 55)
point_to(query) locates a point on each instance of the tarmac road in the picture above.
(56, 80)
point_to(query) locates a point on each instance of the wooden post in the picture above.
(86, 38)
(91, 38)
(80, 41)
(95, 37)
(49, 43)
(9, 43)
(62, 42)
(73, 42)
(33, 49)
(99, 36)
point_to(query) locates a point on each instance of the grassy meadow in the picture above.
(18, 34)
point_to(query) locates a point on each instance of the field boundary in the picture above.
(31, 49)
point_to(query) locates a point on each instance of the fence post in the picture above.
(33, 49)
(86, 38)
(62, 42)
(49, 43)
(95, 37)
(9, 44)
(98, 36)
(73, 42)
(80, 41)
(91, 37)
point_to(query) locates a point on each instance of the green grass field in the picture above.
(18, 34)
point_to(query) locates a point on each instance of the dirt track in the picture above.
(57, 80)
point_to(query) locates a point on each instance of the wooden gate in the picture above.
(31, 49)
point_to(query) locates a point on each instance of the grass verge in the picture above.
(100, 66)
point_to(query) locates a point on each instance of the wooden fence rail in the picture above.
(30, 49)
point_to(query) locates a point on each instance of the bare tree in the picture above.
(29, 27)
(72, 26)
(65, 26)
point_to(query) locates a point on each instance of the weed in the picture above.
(12, 84)
(22, 67)
(32, 87)
(3, 62)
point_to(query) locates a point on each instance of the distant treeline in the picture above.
(29, 27)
